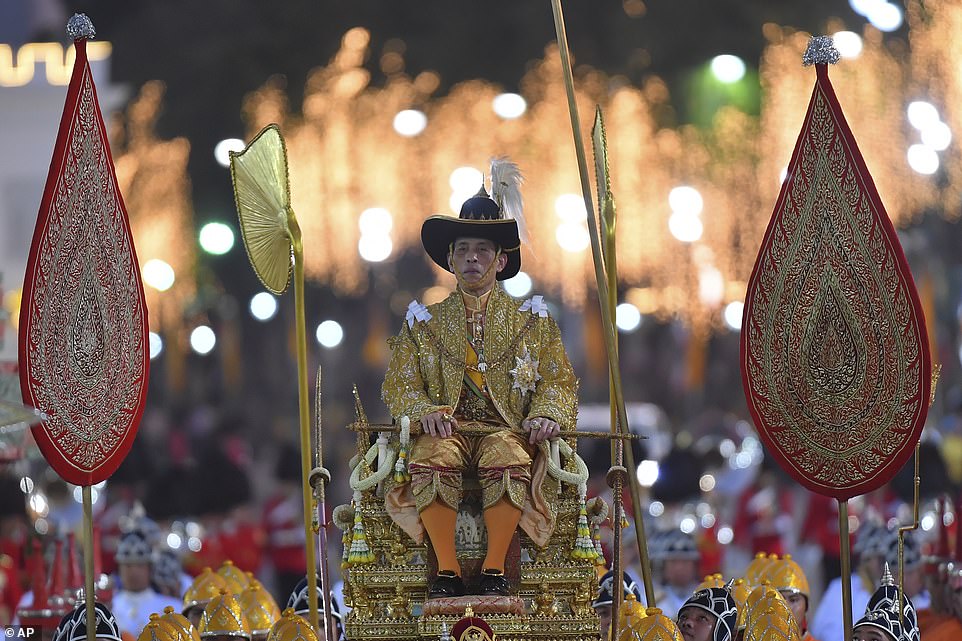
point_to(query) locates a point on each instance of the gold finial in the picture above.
(468, 612)
(936, 372)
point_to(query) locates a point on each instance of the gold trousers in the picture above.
(502, 460)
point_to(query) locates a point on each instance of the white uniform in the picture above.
(133, 609)
(669, 600)
(826, 625)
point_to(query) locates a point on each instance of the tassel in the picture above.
(360, 551)
(584, 549)
(401, 474)
(345, 548)
(602, 566)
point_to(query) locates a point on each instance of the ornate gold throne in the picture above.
(386, 584)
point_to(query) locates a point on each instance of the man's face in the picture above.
(472, 258)
(680, 573)
(604, 613)
(799, 605)
(868, 633)
(134, 576)
(696, 624)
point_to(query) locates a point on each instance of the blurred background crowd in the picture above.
(391, 113)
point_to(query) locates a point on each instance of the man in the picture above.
(299, 603)
(708, 615)
(135, 601)
(73, 626)
(205, 587)
(870, 548)
(224, 620)
(606, 597)
(677, 557)
(478, 360)
(889, 615)
(787, 577)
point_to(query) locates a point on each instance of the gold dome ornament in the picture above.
(223, 616)
(158, 629)
(291, 627)
(260, 609)
(786, 575)
(205, 587)
(756, 570)
(711, 581)
(656, 627)
(185, 630)
(235, 577)
(763, 591)
(763, 602)
(772, 620)
(630, 616)
(740, 591)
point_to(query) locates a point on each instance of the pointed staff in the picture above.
(319, 479)
(272, 238)
(611, 341)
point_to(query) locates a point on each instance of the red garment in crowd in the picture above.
(283, 524)
(763, 517)
(243, 543)
(939, 627)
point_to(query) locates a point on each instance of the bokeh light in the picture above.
(329, 334)
(202, 339)
(216, 238)
(158, 274)
(224, 147)
(728, 68)
(509, 105)
(410, 122)
(263, 306)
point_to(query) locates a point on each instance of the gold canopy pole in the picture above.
(845, 555)
(304, 412)
(88, 543)
(610, 337)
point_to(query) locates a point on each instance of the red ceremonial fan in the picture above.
(834, 353)
(83, 319)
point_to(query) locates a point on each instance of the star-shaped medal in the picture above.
(525, 373)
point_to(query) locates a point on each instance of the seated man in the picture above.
(478, 360)
(708, 615)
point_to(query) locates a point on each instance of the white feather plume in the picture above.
(506, 180)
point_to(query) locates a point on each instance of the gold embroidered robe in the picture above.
(426, 374)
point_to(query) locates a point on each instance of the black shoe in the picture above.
(446, 584)
(493, 583)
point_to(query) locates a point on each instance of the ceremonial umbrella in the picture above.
(834, 354)
(83, 318)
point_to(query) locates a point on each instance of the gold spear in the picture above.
(611, 340)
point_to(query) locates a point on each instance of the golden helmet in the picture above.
(630, 615)
(762, 591)
(185, 630)
(235, 577)
(259, 607)
(158, 629)
(654, 627)
(205, 587)
(291, 627)
(786, 575)
(756, 569)
(772, 620)
(223, 616)
(711, 581)
(739, 590)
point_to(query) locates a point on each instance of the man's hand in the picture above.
(540, 429)
(438, 424)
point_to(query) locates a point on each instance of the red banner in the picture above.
(834, 353)
(83, 319)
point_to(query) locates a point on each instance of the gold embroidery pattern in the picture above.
(85, 343)
(421, 379)
(833, 352)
